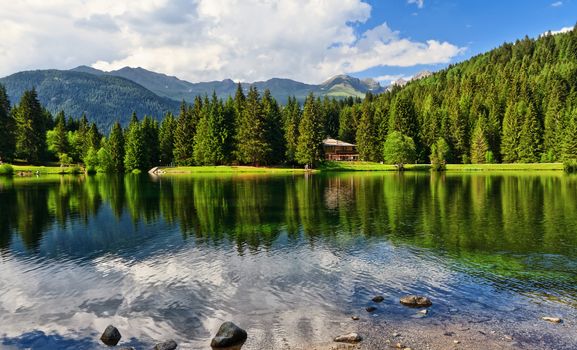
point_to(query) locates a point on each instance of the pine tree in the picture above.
(31, 128)
(184, 134)
(252, 145)
(273, 128)
(166, 139)
(60, 143)
(291, 120)
(115, 146)
(7, 128)
(479, 144)
(511, 132)
(93, 138)
(530, 141)
(209, 147)
(151, 144)
(570, 141)
(134, 158)
(367, 133)
(311, 133)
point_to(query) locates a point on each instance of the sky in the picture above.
(251, 40)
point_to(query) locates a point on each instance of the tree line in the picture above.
(516, 103)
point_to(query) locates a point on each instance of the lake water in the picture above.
(288, 258)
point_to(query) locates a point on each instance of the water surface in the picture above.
(286, 257)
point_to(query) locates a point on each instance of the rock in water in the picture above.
(349, 338)
(111, 336)
(552, 319)
(167, 345)
(228, 335)
(371, 309)
(416, 301)
(378, 299)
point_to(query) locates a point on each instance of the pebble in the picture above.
(348, 338)
(456, 341)
(371, 309)
(552, 319)
(396, 335)
(424, 312)
(378, 299)
(355, 318)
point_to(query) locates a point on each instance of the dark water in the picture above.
(285, 257)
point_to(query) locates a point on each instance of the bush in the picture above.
(6, 170)
(399, 150)
(91, 170)
(570, 166)
(76, 170)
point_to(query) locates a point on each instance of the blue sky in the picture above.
(251, 40)
(478, 26)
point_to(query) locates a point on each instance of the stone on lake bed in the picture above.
(378, 299)
(111, 336)
(355, 318)
(416, 301)
(371, 309)
(228, 335)
(167, 345)
(349, 338)
(552, 319)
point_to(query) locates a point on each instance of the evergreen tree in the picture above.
(93, 138)
(151, 144)
(511, 132)
(115, 147)
(440, 153)
(184, 134)
(530, 141)
(273, 129)
(58, 143)
(252, 145)
(7, 128)
(311, 133)
(292, 116)
(367, 134)
(209, 147)
(479, 144)
(134, 158)
(31, 128)
(570, 141)
(166, 139)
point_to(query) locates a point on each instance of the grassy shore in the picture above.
(228, 169)
(44, 170)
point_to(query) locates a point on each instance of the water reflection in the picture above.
(177, 255)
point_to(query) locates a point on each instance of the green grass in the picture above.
(368, 166)
(227, 169)
(505, 167)
(44, 170)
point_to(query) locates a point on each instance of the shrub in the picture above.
(76, 170)
(6, 170)
(570, 165)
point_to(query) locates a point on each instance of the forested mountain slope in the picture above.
(104, 99)
(516, 103)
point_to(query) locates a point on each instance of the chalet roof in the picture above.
(334, 142)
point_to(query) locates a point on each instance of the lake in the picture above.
(287, 257)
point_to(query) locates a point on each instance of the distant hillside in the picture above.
(178, 90)
(103, 98)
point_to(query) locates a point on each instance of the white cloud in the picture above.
(557, 3)
(562, 30)
(419, 3)
(387, 79)
(201, 40)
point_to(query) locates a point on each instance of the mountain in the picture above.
(178, 90)
(103, 98)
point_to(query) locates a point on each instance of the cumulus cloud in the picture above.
(200, 40)
(419, 3)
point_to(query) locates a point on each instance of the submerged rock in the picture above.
(349, 338)
(228, 335)
(111, 336)
(416, 301)
(371, 309)
(167, 345)
(355, 318)
(378, 299)
(552, 319)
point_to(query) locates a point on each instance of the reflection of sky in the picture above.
(154, 285)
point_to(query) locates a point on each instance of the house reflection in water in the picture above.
(339, 150)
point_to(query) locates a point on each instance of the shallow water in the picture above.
(285, 257)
